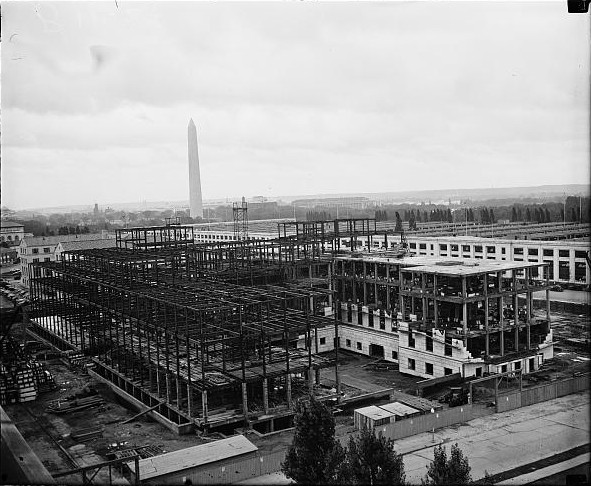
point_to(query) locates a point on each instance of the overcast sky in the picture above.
(289, 98)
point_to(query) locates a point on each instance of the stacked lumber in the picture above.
(75, 405)
(17, 384)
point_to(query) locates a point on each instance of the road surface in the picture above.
(495, 443)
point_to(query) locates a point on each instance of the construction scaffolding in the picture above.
(217, 333)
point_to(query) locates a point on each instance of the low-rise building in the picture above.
(11, 233)
(37, 249)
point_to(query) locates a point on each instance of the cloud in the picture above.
(294, 90)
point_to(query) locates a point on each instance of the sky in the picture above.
(289, 98)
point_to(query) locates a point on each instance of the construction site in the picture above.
(213, 339)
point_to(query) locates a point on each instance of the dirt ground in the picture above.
(46, 432)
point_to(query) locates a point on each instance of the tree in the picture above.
(442, 470)
(513, 215)
(412, 224)
(491, 216)
(314, 454)
(371, 460)
(398, 227)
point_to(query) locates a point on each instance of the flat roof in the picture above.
(194, 456)
(445, 265)
(374, 413)
(400, 409)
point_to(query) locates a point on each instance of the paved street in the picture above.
(498, 442)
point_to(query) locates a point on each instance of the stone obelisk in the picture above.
(194, 174)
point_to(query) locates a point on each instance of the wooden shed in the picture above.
(196, 465)
(372, 416)
(401, 410)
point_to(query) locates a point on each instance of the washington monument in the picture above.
(194, 175)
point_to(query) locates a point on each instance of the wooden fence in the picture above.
(228, 472)
(541, 393)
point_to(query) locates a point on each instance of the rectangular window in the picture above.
(359, 347)
(411, 364)
(394, 355)
(454, 247)
(448, 347)
(35, 260)
(370, 319)
(46, 250)
(429, 368)
(423, 246)
(411, 340)
(478, 372)
(349, 313)
(580, 271)
(35, 251)
(413, 246)
(348, 343)
(503, 251)
(491, 249)
(322, 340)
(580, 254)
(504, 369)
(465, 247)
(548, 252)
(359, 315)
(47, 259)
(563, 271)
(382, 321)
(429, 343)
(532, 251)
(518, 251)
(447, 371)
(550, 269)
(478, 248)
(563, 253)
(517, 365)
(443, 247)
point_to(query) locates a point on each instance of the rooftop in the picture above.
(10, 224)
(88, 244)
(196, 456)
(54, 240)
(444, 265)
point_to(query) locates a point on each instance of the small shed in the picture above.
(401, 410)
(371, 417)
(195, 463)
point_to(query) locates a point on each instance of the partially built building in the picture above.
(220, 334)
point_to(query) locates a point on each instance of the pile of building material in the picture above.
(22, 377)
(75, 405)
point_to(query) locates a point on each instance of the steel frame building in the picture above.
(436, 317)
(208, 334)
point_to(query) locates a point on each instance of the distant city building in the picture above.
(196, 202)
(11, 233)
(43, 249)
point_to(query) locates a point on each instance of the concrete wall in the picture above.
(20, 465)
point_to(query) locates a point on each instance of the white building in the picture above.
(43, 249)
(11, 233)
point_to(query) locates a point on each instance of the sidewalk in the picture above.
(496, 443)
(504, 441)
